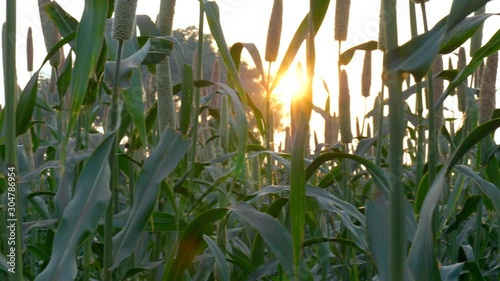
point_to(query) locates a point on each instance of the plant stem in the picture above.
(380, 126)
(420, 155)
(113, 164)
(194, 122)
(269, 129)
(10, 118)
(433, 149)
(396, 132)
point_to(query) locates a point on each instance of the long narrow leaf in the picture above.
(81, 216)
(275, 235)
(422, 258)
(163, 160)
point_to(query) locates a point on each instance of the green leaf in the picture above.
(235, 51)
(64, 79)
(3, 263)
(163, 160)
(26, 104)
(422, 258)
(470, 206)
(251, 48)
(346, 56)
(490, 190)
(220, 259)
(146, 25)
(462, 32)
(462, 8)
(417, 55)
(155, 49)
(491, 47)
(377, 226)
(190, 242)
(89, 40)
(158, 222)
(66, 24)
(213, 18)
(379, 176)
(319, 12)
(142, 268)
(81, 216)
(451, 272)
(241, 129)
(275, 235)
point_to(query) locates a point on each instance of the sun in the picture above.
(290, 86)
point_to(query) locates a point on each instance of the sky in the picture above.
(247, 21)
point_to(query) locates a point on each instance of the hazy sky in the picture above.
(247, 21)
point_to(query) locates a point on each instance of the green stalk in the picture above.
(433, 148)
(380, 121)
(303, 109)
(10, 118)
(420, 155)
(396, 132)
(166, 105)
(113, 164)
(194, 122)
(269, 129)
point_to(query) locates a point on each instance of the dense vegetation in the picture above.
(150, 155)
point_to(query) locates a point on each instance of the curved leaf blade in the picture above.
(275, 235)
(422, 259)
(191, 240)
(163, 160)
(81, 216)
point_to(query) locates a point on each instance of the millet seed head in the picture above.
(342, 19)
(124, 21)
(461, 95)
(487, 100)
(366, 76)
(29, 50)
(166, 17)
(345, 109)
(274, 31)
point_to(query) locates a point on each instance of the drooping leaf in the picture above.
(422, 258)
(142, 268)
(154, 47)
(163, 160)
(490, 190)
(220, 259)
(491, 47)
(377, 214)
(190, 242)
(417, 55)
(469, 207)
(462, 32)
(66, 24)
(81, 215)
(346, 56)
(26, 104)
(379, 176)
(275, 235)
(451, 272)
(158, 222)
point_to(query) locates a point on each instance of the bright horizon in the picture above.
(238, 19)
